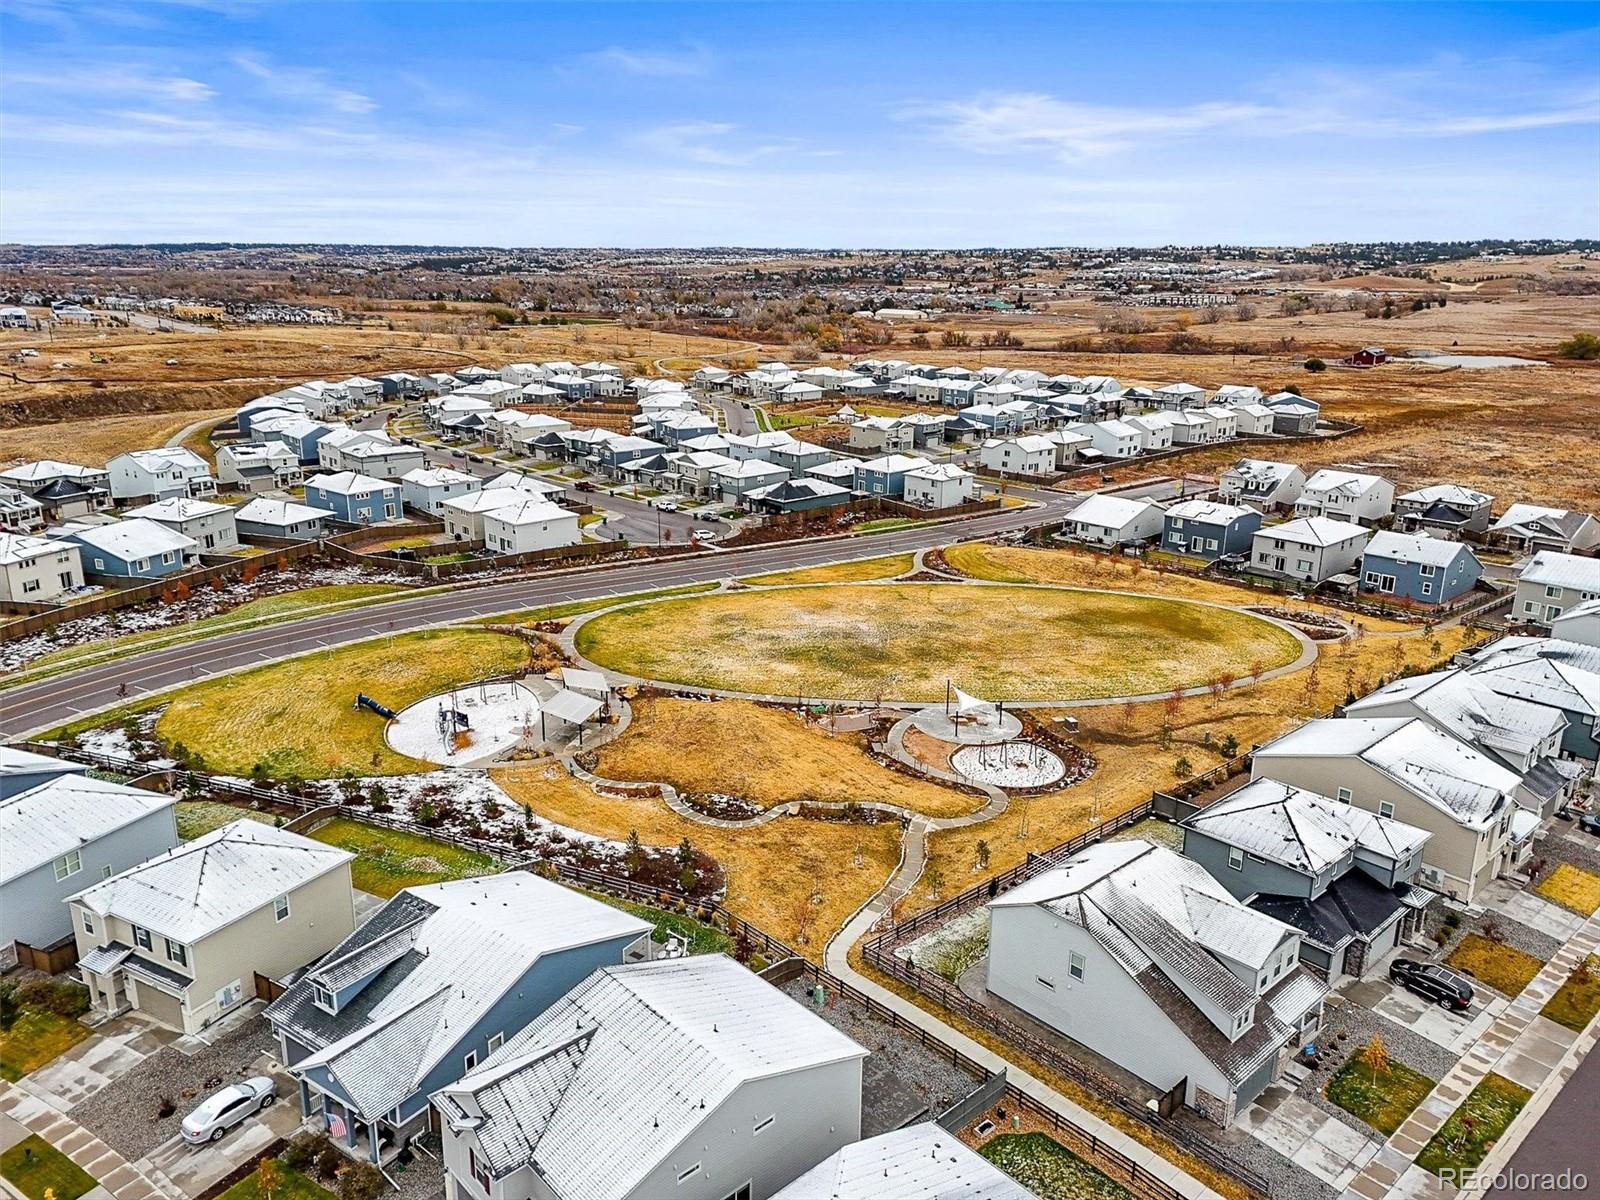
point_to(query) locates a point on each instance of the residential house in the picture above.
(1293, 415)
(464, 515)
(301, 434)
(1346, 496)
(131, 549)
(1580, 623)
(1412, 771)
(732, 480)
(886, 476)
(674, 427)
(1157, 430)
(1208, 529)
(694, 470)
(374, 455)
(1417, 569)
(1180, 396)
(266, 516)
(60, 489)
(796, 495)
(1069, 447)
(1190, 427)
(1556, 674)
(529, 524)
(922, 1161)
(1340, 875)
(1445, 508)
(1261, 484)
(1104, 520)
(1310, 549)
(182, 936)
(883, 434)
(797, 457)
(59, 829)
(1532, 527)
(839, 470)
(353, 498)
(616, 453)
(940, 485)
(251, 467)
(1029, 454)
(433, 984)
(1550, 583)
(362, 391)
(691, 1078)
(1225, 422)
(158, 474)
(1236, 395)
(927, 429)
(210, 525)
(800, 392)
(427, 489)
(37, 570)
(20, 512)
(743, 447)
(1113, 438)
(1252, 420)
(1142, 957)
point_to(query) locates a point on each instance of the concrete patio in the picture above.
(1312, 1139)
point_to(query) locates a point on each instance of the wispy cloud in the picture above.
(305, 84)
(113, 79)
(709, 143)
(653, 64)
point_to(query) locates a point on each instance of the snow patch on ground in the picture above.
(953, 947)
(1009, 765)
(499, 715)
(114, 741)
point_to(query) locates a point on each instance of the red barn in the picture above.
(1370, 356)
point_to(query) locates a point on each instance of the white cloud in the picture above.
(304, 83)
(653, 64)
(111, 79)
(706, 142)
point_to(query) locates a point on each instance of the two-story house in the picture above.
(1408, 769)
(354, 499)
(1261, 484)
(427, 489)
(1550, 583)
(923, 1161)
(1447, 509)
(1533, 527)
(1030, 454)
(1414, 568)
(181, 937)
(211, 526)
(1310, 549)
(886, 476)
(1346, 496)
(132, 549)
(160, 473)
(253, 467)
(1209, 530)
(1104, 520)
(1340, 875)
(689, 1078)
(1141, 956)
(266, 517)
(431, 986)
(36, 570)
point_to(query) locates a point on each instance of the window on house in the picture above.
(1551, 591)
(1236, 858)
(480, 1171)
(496, 1042)
(1385, 808)
(68, 865)
(88, 924)
(141, 938)
(1075, 964)
(280, 908)
(470, 1061)
(739, 1193)
(178, 954)
(1426, 571)
(689, 1174)
(31, 585)
(1343, 795)
(322, 996)
(1427, 589)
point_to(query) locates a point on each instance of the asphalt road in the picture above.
(31, 708)
(1566, 1137)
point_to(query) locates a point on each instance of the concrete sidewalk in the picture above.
(20, 1112)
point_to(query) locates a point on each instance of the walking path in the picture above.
(117, 1177)
(1520, 1045)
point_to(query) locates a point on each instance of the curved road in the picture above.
(30, 708)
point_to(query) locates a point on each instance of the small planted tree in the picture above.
(269, 1177)
(1375, 1057)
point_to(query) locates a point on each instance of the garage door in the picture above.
(167, 1009)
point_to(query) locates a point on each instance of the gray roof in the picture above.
(66, 813)
(919, 1162)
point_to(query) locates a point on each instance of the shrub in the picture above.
(329, 1160)
(361, 1182)
(1451, 919)
(1315, 365)
(60, 996)
(165, 1107)
(1580, 345)
(305, 1148)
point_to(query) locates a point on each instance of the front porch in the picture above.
(377, 1141)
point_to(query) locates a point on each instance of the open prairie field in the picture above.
(905, 641)
(100, 438)
(763, 755)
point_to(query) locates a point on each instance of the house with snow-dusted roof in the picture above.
(919, 1162)
(1418, 569)
(1551, 582)
(689, 1078)
(1310, 549)
(1104, 520)
(268, 517)
(1532, 527)
(181, 936)
(1580, 623)
(1346, 496)
(354, 498)
(1408, 769)
(134, 548)
(1342, 876)
(211, 525)
(1262, 484)
(1142, 957)
(1029, 454)
(433, 984)
(1446, 508)
(427, 488)
(36, 569)
(1209, 529)
(157, 474)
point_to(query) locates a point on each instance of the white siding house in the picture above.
(1310, 549)
(1346, 496)
(1552, 583)
(529, 524)
(37, 570)
(1113, 521)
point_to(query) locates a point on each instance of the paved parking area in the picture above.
(1528, 908)
(1452, 1030)
(1313, 1140)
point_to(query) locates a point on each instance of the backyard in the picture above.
(38, 1170)
(1049, 1170)
(199, 817)
(298, 718)
(388, 860)
(907, 641)
(1473, 1129)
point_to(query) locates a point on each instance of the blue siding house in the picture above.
(135, 548)
(354, 498)
(1418, 569)
(1209, 530)
(886, 476)
(429, 987)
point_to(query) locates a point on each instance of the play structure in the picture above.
(367, 702)
(1014, 764)
(467, 726)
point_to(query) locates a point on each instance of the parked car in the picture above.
(222, 1110)
(478, 458)
(583, 485)
(1432, 982)
(407, 440)
(667, 505)
(704, 535)
(1590, 823)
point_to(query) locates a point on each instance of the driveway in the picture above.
(1311, 1139)
(1452, 1030)
(113, 1050)
(1526, 907)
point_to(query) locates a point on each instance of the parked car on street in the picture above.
(583, 485)
(222, 1110)
(1432, 982)
(704, 535)
(667, 505)
(1590, 823)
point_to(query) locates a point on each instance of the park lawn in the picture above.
(702, 938)
(764, 755)
(1049, 1170)
(34, 1167)
(772, 870)
(575, 608)
(1572, 888)
(1504, 968)
(388, 860)
(1383, 1102)
(1492, 1106)
(298, 718)
(292, 1185)
(278, 607)
(886, 567)
(36, 1037)
(1578, 998)
(199, 817)
(907, 641)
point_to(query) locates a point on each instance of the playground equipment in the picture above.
(365, 701)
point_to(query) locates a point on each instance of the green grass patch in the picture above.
(1578, 998)
(197, 818)
(1383, 1101)
(454, 556)
(702, 938)
(388, 860)
(292, 1185)
(886, 524)
(1475, 1127)
(574, 608)
(1049, 1170)
(1504, 968)
(33, 1166)
(886, 567)
(36, 1037)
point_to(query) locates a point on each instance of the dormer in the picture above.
(338, 981)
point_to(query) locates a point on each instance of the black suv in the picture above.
(1432, 982)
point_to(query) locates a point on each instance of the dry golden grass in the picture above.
(99, 438)
(773, 870)
(906, 640)
(764, 755)
(1572, 888)
(862, 570)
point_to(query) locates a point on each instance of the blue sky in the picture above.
(815, 124)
